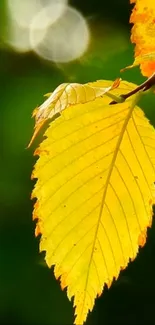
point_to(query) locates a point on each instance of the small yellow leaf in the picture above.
(95, 190)
(64, 95)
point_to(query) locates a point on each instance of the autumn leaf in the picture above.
(94, 190)
(64, 95)
(143, 35)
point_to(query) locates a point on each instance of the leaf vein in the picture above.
(75, 159)
(107, 184)
(138, 162)
(137, 184)
(131, 198)
(73, 192)
(104, 259)
(112, 252)
(82, 140)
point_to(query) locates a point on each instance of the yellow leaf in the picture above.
(143, 35)
(95, 190)
(64, 95)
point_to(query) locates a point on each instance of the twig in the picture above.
(144, 86)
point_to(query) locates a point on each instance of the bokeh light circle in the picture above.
(64, 40)
(21, 19)
(23, 11)
(17, 37)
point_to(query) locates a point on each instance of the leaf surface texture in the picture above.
(143, 35)
(95, 190)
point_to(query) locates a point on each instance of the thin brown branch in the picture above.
(146, 85)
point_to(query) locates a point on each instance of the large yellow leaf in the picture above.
(95, 191)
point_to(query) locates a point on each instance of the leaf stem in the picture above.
(147, 84)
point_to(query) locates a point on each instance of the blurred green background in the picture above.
(29, 294)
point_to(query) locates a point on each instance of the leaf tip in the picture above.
(39, 151)
(63, 283)
(116, 83)
(142, 238)
(37, 230)
(35, 111)
(36, 131)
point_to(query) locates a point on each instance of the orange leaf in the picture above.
(143, 35)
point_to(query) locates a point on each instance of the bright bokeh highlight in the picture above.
(65, 40)
(52, 29)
